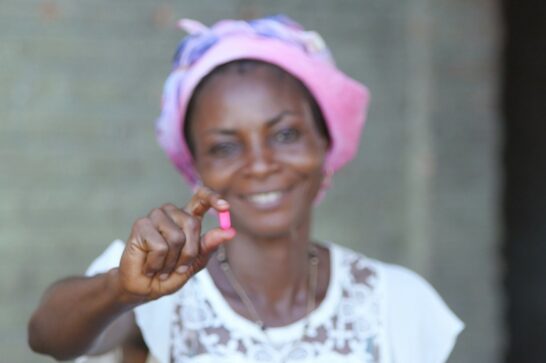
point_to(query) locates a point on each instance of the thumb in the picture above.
(214, 238)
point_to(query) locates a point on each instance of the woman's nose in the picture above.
(260, 160)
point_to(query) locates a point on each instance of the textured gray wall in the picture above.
(80, 84)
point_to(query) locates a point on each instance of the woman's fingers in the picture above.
(208, 243)
(204, 199)
(214, 238)
(151, 244)
(192, 229)
(169, 240)
(174, 237)
(133, 262)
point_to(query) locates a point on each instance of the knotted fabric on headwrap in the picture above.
(277, 40)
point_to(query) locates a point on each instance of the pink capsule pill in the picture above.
(224, 219)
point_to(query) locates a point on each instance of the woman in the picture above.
(257, 118)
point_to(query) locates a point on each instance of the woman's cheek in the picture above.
(217, 174)
(303, 158)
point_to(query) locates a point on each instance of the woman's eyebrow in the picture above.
(279, 117)
(221, 131)
(269, 123)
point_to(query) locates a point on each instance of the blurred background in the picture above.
(449, 180)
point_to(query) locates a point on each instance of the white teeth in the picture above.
(265, 198)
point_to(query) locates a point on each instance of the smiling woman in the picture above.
(258, 146)
(257, 118)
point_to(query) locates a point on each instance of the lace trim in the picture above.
(350, 327)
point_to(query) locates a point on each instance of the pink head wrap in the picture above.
(277, 40)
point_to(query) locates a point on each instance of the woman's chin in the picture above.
(270, 228)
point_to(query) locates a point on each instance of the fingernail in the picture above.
(182, 269)
(149, 274)
(222, 202)
(163, 276)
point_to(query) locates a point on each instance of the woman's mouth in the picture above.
(266, 199)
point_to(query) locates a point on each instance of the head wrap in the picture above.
(277, 40)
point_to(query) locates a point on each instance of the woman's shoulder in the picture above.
(395, 278)
(419, 325)
(352, 269)
(419, 322)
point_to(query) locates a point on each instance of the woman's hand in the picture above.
(166, 248)
(84, 315)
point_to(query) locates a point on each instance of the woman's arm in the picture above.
(81, 315)
(90, 315)
(135, 350)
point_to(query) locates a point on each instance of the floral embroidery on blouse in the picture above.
(350, 331)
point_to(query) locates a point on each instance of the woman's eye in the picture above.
(287, 136)
(224, 149)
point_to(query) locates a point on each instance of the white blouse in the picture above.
(373, 312)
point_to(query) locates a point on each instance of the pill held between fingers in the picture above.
(224, 220)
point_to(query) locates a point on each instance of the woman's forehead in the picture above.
(261, 78)
(258, 94)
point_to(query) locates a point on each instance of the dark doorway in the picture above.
(524, 108)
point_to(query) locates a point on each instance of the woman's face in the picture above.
(257, 145)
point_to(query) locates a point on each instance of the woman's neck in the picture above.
(274, 269)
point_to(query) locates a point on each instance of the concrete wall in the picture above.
(80, 84)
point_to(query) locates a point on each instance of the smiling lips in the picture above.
(266, 199)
